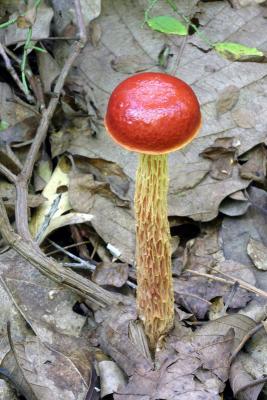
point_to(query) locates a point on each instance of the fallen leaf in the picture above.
(114, 274)
(238, 52)
(96, 198)
(114, 340)
(25, 284)
(111, 377)
(234, 208)
(65, 14)
(236, 232)
(129, 64)
(40, 29)
(192, 372)
(239, 378)
(255, 166)
(223, 156)
(227, 99)
(248, 366)
(258, 253)
(202, 202)
(39, 371)
(243, 118)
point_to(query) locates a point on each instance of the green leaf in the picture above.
(39, 49)
(238, 52)
(168, 25)
(3, 125)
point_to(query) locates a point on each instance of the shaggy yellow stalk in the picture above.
(155, 299)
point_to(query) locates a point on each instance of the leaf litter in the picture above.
(83, 191)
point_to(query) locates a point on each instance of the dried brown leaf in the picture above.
(227, 99)
(114, 274)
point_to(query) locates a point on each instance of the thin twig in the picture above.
(242, 284)
(68, 247)
(14, 74)
(24, 60)
(23, 243)
(52, 269)
(82, 263)
(244, 340)
(47, 218)
(26, 173)
(186, 294)
(7, 173)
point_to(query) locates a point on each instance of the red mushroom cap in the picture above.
(153, 113)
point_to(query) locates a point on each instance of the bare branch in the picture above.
(53, 270)
(7, 173)
(14, 75)
(26, 173)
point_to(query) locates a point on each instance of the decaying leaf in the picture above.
(54, 307)
(197, 369)
(223, 156)
(258, 253)
(114, 274)
(227, 99)
(236, 233)
(114, 340)
(111, 220)
(249, 366)
(239, 52)
(38, 371)
(255, 166)
(129, 64)
(243, 118)
(40, 29)
(111, 376)
(234, 207)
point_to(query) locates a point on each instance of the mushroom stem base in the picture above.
(155, 299)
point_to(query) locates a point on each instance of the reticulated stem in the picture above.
(155, 300)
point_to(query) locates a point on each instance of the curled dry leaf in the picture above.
(249, 366)
(223, 155)
(111, 377)
(235, 205)
(114, 340)
(54, 198)
(255, 166)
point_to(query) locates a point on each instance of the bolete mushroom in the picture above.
(153, 114)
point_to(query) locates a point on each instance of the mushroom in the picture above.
(153, 114)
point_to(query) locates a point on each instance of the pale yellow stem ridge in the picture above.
(155, 299)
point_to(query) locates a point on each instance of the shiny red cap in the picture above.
(153, 113)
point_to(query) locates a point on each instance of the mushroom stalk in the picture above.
(155, 299)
